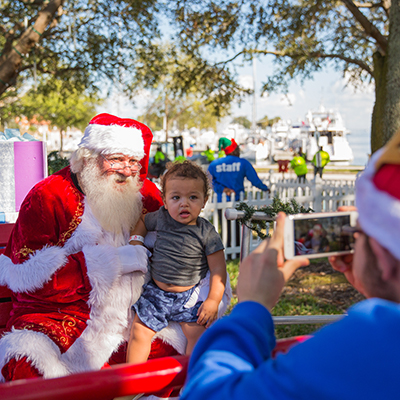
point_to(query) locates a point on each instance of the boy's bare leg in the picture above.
(139, 345)
(192, 331)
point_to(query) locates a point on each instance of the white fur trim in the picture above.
(110, 139)
(40, 350)
(377, 210)
(34, 272)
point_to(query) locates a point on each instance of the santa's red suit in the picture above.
(71, 293)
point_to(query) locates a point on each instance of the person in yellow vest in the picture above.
(299, 165)
(320, 159)
(160, 162)
(209, 154)
(159, 157)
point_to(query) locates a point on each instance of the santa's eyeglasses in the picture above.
(133, 165)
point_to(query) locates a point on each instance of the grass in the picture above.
(313, 290)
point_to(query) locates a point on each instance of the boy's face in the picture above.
(184, 199)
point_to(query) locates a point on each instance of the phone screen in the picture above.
(322, 235)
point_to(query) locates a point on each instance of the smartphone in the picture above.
(317, 235)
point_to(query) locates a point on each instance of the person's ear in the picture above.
(387, 264)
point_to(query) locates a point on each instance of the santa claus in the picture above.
(73, 275)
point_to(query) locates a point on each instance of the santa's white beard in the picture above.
(117, 207)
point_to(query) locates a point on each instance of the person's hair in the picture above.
(187, 170)
(236, 152)
(77, 159)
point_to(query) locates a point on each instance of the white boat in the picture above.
(326, 129)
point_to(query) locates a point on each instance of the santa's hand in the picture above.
(133, 258)
(208, 312)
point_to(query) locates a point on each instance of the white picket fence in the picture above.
(319, 194)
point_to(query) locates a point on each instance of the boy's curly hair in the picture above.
(186, 169)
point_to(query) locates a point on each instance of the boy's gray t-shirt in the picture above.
(180, 251)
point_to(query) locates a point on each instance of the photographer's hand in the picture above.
(263, 274)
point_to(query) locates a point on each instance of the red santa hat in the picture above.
(108, 134)
(378, 197)
(229, 149)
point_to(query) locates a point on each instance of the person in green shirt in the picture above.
(299, 165)
(320, 159)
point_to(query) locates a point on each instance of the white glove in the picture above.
(133, 258)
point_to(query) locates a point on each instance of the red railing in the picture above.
(122, 380)
(159, 375)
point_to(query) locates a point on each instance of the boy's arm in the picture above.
(208, 311)
(139, 230)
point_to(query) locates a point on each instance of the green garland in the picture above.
(55, 162)
(289, 207)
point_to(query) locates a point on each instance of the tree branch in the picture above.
(367, 5)
(9, 68)
(317, 54)
(386, 6)
(233, 58)
(32, 2)
(369, 28)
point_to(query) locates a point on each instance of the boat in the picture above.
(319, 128)
(326, 128)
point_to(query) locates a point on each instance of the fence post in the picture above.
(317, 189)
(245, 243)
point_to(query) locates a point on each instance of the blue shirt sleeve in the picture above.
(252, 176)
(355, 358)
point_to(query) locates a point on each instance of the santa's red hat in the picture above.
(108, 134)
(229, 149)
(378, 197)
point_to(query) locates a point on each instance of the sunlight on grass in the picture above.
(314, 280)
(232, 267)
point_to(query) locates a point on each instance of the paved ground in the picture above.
(336, 174)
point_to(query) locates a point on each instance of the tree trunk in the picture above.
(392, 115)
(61, 143)
(166, 121)
(378, 113)
(10, 63)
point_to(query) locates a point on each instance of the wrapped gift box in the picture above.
(23, 163)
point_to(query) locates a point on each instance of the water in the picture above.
(360, 143)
